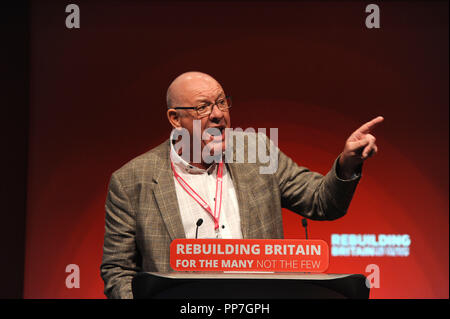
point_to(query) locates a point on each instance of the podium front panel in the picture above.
(181, 285)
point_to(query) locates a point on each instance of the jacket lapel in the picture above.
(166, 197)
(247, 209)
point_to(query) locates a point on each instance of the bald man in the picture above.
(162, 194)
(189, 91)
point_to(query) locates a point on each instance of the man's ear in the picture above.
(174, 118)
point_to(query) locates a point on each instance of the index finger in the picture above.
(369, 126)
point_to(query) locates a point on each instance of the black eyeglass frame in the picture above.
(196, 107)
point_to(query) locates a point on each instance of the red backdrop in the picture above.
(312, 70)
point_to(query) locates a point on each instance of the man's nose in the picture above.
(216, 112)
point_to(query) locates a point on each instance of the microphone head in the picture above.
(304, 222)
(199, 222)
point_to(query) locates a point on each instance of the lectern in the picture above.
(246, 285)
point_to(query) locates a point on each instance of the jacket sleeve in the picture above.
(120, 255)
(311, 194)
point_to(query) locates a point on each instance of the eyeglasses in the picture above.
(205, 109)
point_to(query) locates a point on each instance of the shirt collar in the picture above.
(184, 166)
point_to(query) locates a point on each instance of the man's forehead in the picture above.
(207, 94)
(193, 87)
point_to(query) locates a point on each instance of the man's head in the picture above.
(196, 90)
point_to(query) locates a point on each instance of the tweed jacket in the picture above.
(143, 217)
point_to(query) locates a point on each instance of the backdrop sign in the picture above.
(279, 255)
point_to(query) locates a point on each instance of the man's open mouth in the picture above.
(215, 134)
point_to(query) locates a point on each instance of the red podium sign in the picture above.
(277, 255)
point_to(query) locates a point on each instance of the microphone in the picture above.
(305, 224)
(199, 223)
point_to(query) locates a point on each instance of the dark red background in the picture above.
(312, 70)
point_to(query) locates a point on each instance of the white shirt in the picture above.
(203, 182)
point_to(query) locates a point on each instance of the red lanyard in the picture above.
(218, 202)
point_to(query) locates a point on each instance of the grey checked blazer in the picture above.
(143, 217)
